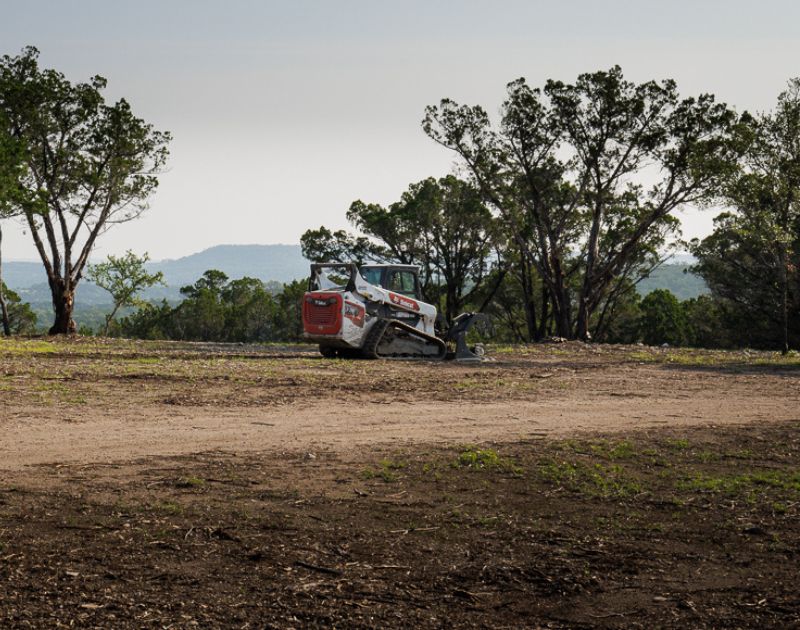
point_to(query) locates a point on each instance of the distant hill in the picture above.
(278, 263)
(281, 263)
(676, 278)
(20, 275)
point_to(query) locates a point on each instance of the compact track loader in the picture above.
(375, 311)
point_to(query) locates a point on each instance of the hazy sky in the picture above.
(285, 112)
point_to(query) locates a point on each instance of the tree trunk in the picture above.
(560, 301)
(63, 304)
(4, 313)
(561, 312)
(3, 307)
(785, 304)
(528, 302)
(592, 253)
(541, 333)
(451, 303)
(584, 312)
(110, 318)
(530, 317)
(490, 296)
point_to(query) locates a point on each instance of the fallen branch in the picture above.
(315, 567)
(415, 529)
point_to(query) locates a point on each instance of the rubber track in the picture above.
(370, 348)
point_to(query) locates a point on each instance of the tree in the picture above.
(124, 277)
(21, 320)
(201, 315)
(250, 311)
(323, 245)
(561, 170)
(751, 259)
(441, 225)
(149, 321)
(516, 296)
(709, 322)
(289, 311)
(218, 309)
(622, 323)
(10, 169)
(86, 166)
(506, 305)
(662, 319)
(3, 303)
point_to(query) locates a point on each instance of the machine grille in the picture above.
(322, 313)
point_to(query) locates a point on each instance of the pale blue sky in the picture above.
(284, 113)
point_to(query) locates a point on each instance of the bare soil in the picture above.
(89, 401)
(566, 485)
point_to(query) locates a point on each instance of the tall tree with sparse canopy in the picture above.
(86, 165)
(564, 172)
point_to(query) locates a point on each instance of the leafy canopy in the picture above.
(82, 165)
(564, 169)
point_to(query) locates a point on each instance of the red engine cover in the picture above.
(322, 313)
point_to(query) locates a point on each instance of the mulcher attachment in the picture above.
(458, 333)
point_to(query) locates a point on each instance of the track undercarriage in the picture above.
(392, 339)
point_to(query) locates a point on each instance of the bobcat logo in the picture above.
(403, 301)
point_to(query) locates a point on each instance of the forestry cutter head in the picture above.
(458, 334)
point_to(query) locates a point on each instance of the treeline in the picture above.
(659, 318)
(216, 308)
(560, 207)
(246, 311)
(549, 226)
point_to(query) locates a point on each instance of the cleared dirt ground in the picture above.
(185, 485)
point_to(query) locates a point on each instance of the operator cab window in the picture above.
(372, 275)
(403, 282)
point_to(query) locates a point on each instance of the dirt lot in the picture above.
(180, 485)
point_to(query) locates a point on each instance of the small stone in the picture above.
(754, 530)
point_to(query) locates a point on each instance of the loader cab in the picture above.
(402, 279)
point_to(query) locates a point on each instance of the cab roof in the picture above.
(390, 266)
